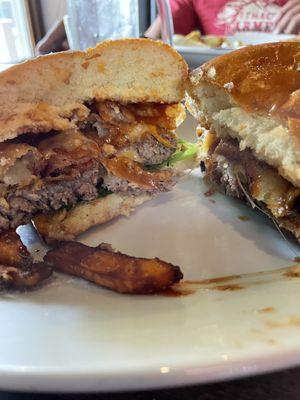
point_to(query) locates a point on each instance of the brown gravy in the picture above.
(212, 280)
(243, 218)
(229, 288)
(210, 192)
(176, 292)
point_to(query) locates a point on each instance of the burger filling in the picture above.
(118, 148)
(242, 175)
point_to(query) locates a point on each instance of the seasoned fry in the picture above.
(195, 38)
(13, 252)
(14, 278)
(113, 270)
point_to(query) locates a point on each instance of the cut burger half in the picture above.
(248, 107)
(87, 136)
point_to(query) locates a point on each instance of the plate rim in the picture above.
(50, 380)
(203, 50)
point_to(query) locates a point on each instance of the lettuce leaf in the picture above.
(185, 150)
(103, 191)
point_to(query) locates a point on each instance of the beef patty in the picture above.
(79, 183)
(152, 152)
(19, 204)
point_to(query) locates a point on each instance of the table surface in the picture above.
(284, 385)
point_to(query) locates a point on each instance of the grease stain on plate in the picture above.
(235, 282)
(213, 280)
(226, 288)
(266, 310)
(176, 291)
(243, 218)
(293, 272)
(210, 192)
(291, 322)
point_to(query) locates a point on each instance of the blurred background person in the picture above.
(223, 17)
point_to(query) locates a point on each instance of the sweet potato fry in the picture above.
(113, 270)
(14, 278)
(13, 252)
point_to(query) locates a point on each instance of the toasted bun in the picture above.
(253, 95)
(49, 92)
(66, 225)
(264, 79)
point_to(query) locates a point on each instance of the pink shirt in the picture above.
(223, 17)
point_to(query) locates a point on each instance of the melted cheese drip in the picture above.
(277, 193)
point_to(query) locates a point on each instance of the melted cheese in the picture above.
(138, 131)
(130, 153)
(154, 132)
(208, 140)
(277, 193)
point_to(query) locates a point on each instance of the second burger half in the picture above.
(248, 106)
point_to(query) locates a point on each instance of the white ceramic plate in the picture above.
(197, 55)
(74, 336)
